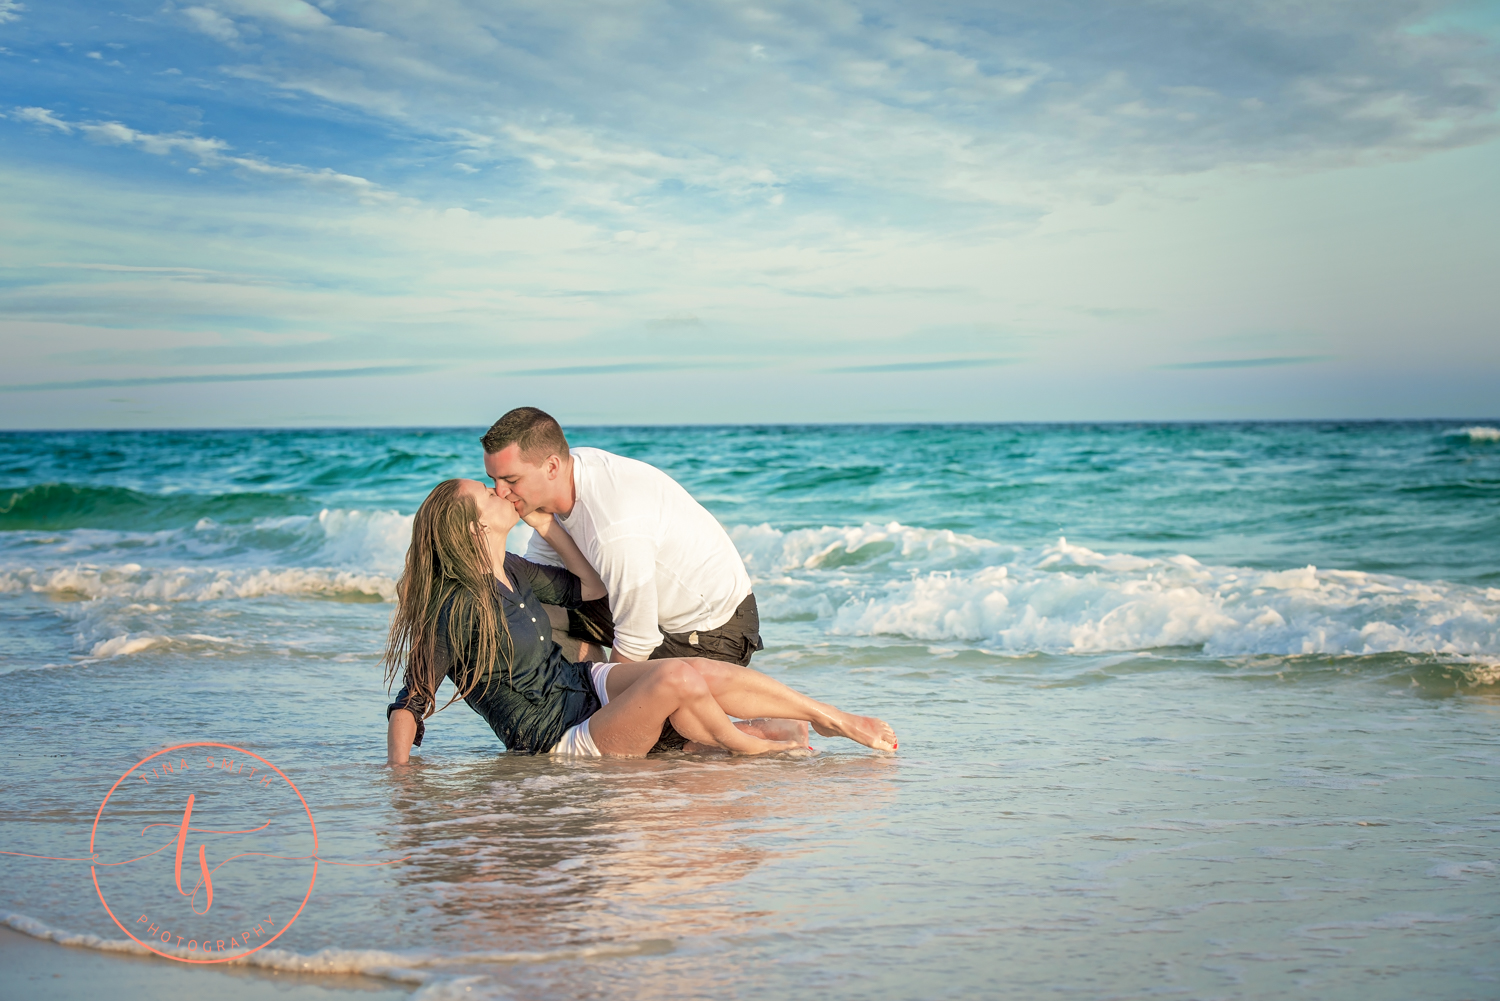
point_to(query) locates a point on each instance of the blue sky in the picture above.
(268, 212)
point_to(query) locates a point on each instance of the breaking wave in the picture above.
(133, 582)
(930, 585)
(893, 545)
(1478, 432)
(1066, 598)
(129, 593)
(332, 537)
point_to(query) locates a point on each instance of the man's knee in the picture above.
(712, 671)
(682, 677)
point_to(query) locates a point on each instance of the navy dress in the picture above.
(543, 693)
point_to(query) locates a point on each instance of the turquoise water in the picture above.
(1185, 710)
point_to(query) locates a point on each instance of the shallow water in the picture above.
(1184, 711)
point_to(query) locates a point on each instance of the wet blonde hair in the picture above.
(447, 559)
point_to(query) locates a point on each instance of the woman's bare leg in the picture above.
(670, 689)
(746, 693)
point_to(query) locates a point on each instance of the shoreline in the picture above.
(39, 970)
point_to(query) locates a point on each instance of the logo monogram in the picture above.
(265, 884)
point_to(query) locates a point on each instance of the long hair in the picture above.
(447, 559)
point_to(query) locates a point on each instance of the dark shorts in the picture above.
(734, 642)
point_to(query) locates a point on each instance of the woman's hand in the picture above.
(541, 521)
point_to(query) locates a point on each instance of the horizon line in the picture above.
(763, 424)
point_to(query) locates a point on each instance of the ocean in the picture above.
(1185, 710)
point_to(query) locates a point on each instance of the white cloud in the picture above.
(10, 10)
(212, 23)
(208, 151)
(807, 178)
(1010, 107)
(41, 116)
(291, 13)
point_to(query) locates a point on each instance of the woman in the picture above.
(470, 611)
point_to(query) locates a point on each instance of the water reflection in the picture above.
(532, 854)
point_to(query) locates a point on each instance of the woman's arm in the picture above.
(567, 550)
(399, 733)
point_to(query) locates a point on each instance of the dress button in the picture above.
(523, 604)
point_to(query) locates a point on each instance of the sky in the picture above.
(425, 212)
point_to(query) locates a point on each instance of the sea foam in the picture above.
(1067, 598)
(868, 546)
(414, 968)
(132, 582)
(890, 579)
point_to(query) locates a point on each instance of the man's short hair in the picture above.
(535, 431)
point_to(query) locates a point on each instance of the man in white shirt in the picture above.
(677, 586)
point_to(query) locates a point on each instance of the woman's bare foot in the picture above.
(867, 730)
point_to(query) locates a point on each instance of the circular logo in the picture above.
(205, 852)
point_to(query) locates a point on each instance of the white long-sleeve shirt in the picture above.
(667, 563)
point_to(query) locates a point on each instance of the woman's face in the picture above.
(496, 515)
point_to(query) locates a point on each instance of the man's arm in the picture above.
(628, 567)
(572, 557)
(537, 551)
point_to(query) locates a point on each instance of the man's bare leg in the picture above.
(671, 689)
(748, 694)
(573, 648)
(766, 729)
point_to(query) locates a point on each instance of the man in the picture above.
(677, 586)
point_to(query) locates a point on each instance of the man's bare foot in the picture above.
(775, 729)
(782, 747)
(776, 747)
(765, 728)
(866, 730)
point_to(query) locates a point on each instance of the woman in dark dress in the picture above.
(471, 612)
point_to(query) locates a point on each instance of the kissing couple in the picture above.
(623, 557)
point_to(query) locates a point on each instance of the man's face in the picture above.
(527, 485)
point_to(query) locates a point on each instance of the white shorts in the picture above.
(576, 739)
